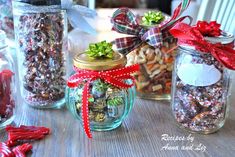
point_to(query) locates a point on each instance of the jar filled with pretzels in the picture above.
(201, 79)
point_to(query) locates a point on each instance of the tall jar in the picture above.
(41, 38)
(108, 105)
(200, 89)
(7, 84)
(150, 45)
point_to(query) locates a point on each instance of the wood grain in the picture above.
(139, 135)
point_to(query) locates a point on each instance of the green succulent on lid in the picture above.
(100, 50)
(152, 17)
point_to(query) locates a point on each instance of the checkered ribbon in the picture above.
(125, 22)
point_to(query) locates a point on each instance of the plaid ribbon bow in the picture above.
(125, 22)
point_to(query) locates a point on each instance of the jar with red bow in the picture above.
(7, 84)
(101, 91)
(201, 80)
(151, 46)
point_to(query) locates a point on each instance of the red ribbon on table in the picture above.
(191, 36)
(115, 77)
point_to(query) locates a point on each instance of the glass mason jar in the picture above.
(41, 38)
(108, 105)
(156, 64)
(200, 89)
(7, 84)
(6, 18)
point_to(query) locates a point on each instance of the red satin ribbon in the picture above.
(116, 77)
(191, 36)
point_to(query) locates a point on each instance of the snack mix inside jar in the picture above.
(200, 88)
(41, 38)
(7, 84)
(107, 104)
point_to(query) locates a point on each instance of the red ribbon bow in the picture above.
(116, 77)
(191, 36)
(211, 29)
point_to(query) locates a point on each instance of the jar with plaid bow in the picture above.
(151, 46)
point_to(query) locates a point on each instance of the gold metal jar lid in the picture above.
(82, 61)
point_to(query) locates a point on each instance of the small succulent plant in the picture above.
(99, 88)
(100, 50)
(115, 101)
(152, 17)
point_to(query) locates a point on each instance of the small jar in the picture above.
(6, 18)
(41, 38)
(108, 105)
(7, 84)
(200, 89)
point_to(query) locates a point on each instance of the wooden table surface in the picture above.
(140, 135)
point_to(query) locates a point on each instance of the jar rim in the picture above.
(82, 61)
(224, 38)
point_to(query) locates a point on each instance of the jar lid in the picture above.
(82, 61)
(224, 38)
(2, 39)
(41, 2)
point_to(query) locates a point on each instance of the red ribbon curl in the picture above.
(191, 36)
(116, 77)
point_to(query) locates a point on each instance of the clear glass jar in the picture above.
(108, 105)
(41, 38)
(156, 64)
(7, 84)
(200, 90)
(6, 18)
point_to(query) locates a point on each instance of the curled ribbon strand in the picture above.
(124, 21)
(190, 36)
(116, 77)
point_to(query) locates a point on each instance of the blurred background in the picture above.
(223, 11)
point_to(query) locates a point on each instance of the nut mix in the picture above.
(41, 41)
(155, 67)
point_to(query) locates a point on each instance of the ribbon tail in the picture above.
(85, 110)
(127, 44)
(78, 21)
(225, 57)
